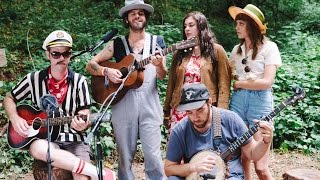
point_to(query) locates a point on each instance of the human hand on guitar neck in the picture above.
(159, 61)
(266, 131)
(78, 123)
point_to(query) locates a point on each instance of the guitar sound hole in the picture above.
(124, 71)
(36, 124)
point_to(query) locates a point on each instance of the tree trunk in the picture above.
(40, 172)
(301, 174)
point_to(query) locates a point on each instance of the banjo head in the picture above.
(218, 172)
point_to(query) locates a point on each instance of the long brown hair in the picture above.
(206, 38)
(255, 35)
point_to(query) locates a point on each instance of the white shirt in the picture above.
(267, 54)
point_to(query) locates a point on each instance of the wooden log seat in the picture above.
(40, 172)
(301, 174)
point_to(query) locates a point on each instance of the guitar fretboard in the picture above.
(242, 139)
(58, 121)
(164, 52)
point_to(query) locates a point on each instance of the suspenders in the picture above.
(146, 44)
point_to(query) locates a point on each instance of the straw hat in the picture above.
(253, 12)
(57, 38)
(135, 4)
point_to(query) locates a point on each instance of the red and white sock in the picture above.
(83, 167)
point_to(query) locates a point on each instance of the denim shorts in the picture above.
(251, 104)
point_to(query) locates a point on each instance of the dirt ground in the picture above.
(279, 164)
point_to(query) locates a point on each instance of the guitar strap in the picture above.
(216, 126)
(146, 47)
(217, 135)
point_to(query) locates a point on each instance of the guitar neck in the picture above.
(58, 121)
(242, 139)
(164, 52)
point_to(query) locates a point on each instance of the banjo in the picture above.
(219, 172)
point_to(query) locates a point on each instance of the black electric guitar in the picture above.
(219, 171)
(38, 121)
(100, 92)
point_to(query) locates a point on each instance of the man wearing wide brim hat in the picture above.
(253, 12)
(135, 4)
(137, 115)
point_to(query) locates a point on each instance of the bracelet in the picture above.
(104, 71)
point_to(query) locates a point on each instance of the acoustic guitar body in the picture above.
(100, 91)
(33, 117)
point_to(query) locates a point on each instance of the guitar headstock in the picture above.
(299, 94)
(187, 43)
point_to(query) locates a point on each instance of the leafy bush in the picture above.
(13, 161)
(298, 127)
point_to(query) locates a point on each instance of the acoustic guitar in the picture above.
(100, 92)
(219, 172)
(38, 121)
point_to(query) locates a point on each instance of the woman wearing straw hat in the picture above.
(256, 60)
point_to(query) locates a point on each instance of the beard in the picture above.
(201, 125)
(204, 123)
(137, 25)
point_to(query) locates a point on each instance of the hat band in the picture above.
(256, 12)
(67, 43)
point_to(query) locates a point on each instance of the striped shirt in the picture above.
(34, 85)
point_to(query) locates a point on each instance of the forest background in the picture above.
(292, 24)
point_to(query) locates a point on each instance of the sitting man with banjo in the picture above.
(205, 145)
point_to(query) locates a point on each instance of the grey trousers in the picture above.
(138, 116)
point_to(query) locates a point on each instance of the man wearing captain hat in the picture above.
(139, 113)
(70, 90)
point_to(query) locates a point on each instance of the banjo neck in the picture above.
(246, 136)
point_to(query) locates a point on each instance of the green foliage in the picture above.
(299, 127)
(13, 161)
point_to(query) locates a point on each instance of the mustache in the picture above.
(61, 62)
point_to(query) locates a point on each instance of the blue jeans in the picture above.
(251, 104)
